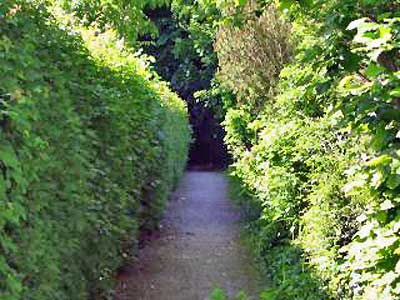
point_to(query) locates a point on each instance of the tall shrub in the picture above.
(252, 55)
(92, 144)
(320, 159)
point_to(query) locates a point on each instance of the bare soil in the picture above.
(198, 247)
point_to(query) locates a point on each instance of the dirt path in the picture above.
(198, 247)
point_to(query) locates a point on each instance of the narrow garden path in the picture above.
(197, 248)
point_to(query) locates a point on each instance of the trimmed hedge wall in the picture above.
(92, 143)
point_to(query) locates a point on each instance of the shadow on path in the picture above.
(198, 247)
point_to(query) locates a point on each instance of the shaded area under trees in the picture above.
(178, 61)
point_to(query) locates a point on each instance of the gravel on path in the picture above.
(198, 247)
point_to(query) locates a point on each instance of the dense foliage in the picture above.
(184, 56)
(92, 142)
(319, 162)
(250, 66)
(128, 18)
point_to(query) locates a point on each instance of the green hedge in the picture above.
(92, 143)
(319, 161)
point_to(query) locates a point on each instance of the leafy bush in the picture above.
(128, 18)
(251, 56)
(92, 144)
(321, 158)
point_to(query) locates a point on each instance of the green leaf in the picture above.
(393, 181)
(352, 85)
(373, 70)
(370, 2)
(379, 161)
(240, 2)
(395, 92)
(286, 4)
(270, 294)
(218, 294)
(8, 156)
(3, 187)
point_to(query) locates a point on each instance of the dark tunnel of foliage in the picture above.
(178, 61)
